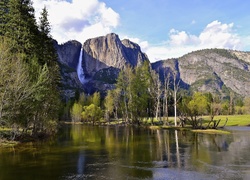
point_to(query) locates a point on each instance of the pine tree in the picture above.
(3, 15)
(123, 87)
(47, 56)
(21, 26)
(47, 52)
(140, 92)
(34, 48)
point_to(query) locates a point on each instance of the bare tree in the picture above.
(158, 93)
(155, 91)
(176, 89)
(165, 98)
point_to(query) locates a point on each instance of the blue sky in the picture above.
(163, 28)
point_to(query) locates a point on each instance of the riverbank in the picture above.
(233, 120)
(205, 131)
(7, 139)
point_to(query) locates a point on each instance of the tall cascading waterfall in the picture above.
(80, 71)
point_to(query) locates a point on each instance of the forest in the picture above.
(30, 100)
(29, 72)
(140, 98)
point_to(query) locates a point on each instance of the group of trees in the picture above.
(137, 96)
(192, 108)
(29, 73)
(87, 108)
(140, 96)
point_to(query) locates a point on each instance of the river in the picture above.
(91, 152)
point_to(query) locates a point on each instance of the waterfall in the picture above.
(80, 72)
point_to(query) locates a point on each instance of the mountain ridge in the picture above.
(209, 70)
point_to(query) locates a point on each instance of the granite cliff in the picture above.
(68, 55)
(109, 51)
(211, 70)
(103, 57)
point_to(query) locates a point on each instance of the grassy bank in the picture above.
(8, 139)
(233, 120)
(210, 131)
(4, 141)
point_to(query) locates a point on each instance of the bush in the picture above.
(76, 111)
(92, 113)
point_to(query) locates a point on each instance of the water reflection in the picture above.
(90, 152)
(81, 163)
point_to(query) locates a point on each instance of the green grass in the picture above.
(233, 120)
(210, 131)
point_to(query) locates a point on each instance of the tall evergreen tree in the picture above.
(123, 87)
(47, 52)
(47, 56)
(21, 26)
(3, 15)
(139, 90)
(34, 48)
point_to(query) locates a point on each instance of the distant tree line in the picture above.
(29, 73)
(140, 97)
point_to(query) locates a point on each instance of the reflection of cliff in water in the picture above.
(113, 152)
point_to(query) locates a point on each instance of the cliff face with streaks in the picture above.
(109, 51)
(211, 70)
(103, 57)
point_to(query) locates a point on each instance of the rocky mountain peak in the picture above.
(109, 51)
(68, 53)
(218, 71)
(211, 70)
(129, 44)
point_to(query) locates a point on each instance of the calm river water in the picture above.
(87, 152)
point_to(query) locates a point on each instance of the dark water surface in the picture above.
(87, 152)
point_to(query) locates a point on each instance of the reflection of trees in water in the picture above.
(168, 148)
(132, 149)
(212, 151)
(186, 149)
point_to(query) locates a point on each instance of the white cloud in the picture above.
(83, 19)
(182, 38)
(218, 35)
(246, 42)
(78, 19)
(214, 35)
(162, 52)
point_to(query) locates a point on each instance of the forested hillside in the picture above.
(29, 71)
